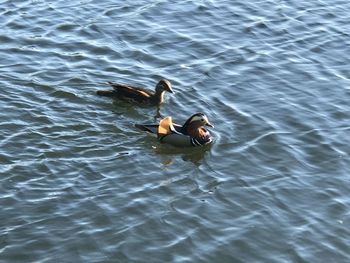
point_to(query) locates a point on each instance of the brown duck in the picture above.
(137, 94)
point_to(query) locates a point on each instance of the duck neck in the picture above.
(159, 96)
(189, 130)
(186, 127)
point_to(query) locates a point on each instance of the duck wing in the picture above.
(165, 127)
(131, 91)
(152, 128)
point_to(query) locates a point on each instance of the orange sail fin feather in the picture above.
(165, 127)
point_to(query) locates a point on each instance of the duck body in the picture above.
(137, 94)
(192, 133)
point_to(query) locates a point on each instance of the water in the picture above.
(80, 184)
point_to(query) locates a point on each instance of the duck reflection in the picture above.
(169, 154)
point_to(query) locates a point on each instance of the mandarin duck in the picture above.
(137, 94)
(192, 133)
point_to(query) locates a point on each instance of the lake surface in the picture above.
(80, 184)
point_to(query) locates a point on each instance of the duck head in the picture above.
(196, 121)
(164, 85)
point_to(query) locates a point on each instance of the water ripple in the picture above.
(80, 182)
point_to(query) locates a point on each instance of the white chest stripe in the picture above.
(174, 130)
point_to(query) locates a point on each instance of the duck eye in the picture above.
(202, 120)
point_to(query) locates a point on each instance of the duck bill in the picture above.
(171, 90)
(210, 125)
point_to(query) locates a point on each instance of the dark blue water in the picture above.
(78, 183)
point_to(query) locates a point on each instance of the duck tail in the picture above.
(148, 128)
(106, 93)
